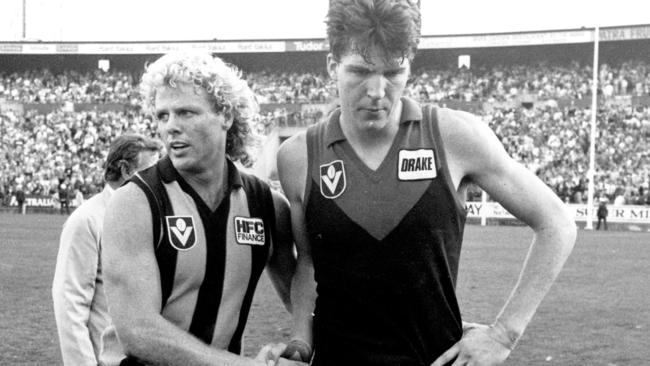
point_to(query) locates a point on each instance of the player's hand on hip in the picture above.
(480, 345)
(270, 353)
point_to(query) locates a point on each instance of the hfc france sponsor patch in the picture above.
(416, 164)
(249, 231)
(332, 179)
(181, 233)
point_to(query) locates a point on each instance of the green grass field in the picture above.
(598, 312)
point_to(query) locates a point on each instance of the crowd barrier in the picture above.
(35, 203)
(629, 217)
(476, 107)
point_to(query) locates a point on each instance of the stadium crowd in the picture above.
(274, 87)
(43, 86)
(554, 143)
(542, 81)
(60, 152)
(495, 83)
(40, 153)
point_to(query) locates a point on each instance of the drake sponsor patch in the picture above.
(332, 179)
(249, 230)
(181, 233)
(416, 164)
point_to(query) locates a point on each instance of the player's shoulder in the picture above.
(292, 155)
(470, 144)
(250, 180)
(461, 130)
(129, 198)
(294, 147)
(128, 202)
(457, 122)
(292, 165)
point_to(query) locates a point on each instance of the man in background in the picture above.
(602, 213)
(64, 198)
(80, 307)
(20, 199)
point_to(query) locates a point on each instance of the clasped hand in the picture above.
(480, 345)
(270, 355)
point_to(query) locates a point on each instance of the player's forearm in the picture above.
(156, 341)
(282, 284)
(303, 297)
(281, 270)
(546, 257)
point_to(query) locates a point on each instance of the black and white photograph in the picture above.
(324, 182)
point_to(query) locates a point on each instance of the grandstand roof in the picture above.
(159, 20)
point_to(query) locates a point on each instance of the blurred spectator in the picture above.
(20, 198)
(602, 213)
(64, 198)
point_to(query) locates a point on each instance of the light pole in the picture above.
(24, 19)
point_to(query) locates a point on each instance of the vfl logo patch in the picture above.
(332, 179)
(249, 230)
(416, 165)
(181, 233)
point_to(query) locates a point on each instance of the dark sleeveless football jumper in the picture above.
(209, 272)
(385, 246)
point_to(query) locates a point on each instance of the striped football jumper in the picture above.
(209, 261)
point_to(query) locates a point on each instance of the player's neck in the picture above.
(371, 143)
(210, 184)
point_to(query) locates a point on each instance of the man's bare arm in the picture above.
(282, 264)
(474, 152)
(292, 169)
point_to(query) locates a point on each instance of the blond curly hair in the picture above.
(228, 92)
